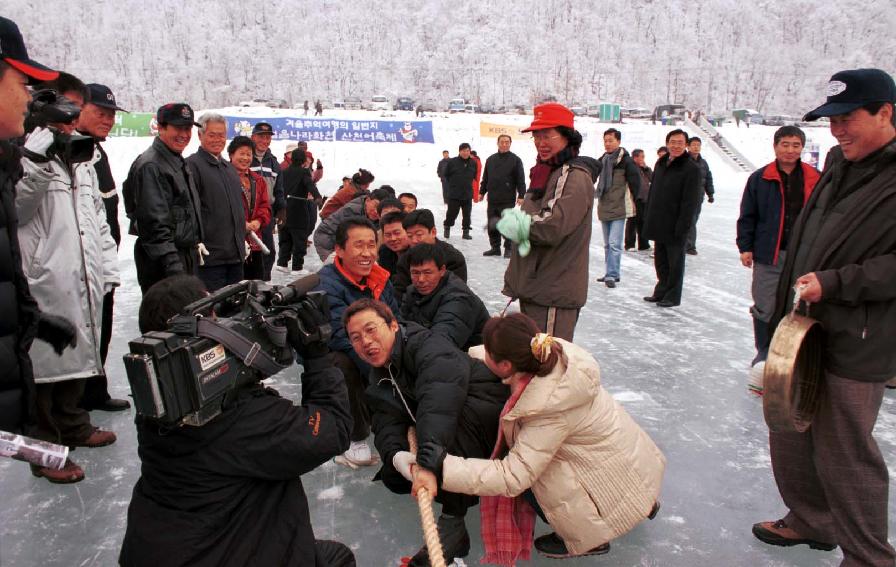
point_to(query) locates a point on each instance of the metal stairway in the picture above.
(726, 149)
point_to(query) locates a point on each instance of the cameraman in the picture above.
(70, 261)
(229, 492)
(21, 320)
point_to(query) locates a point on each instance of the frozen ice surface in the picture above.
(681, 373)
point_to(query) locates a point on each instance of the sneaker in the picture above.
(779, 533)
(455, 541)
(358, 455)
(551, 545)
(98, 438)
(755, 378)
(69, 474)
(284, 269)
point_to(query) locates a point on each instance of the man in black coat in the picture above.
(674, 195)
(441, 301)
(460, 172)
(695, 144)
(161, 201)
(222, 212)
(420, 379)
(420, 226)
(22, 321)
(302, 197)
(266, 165)
(440, 171)
(229, 493)
(395, 241)
(504, 183)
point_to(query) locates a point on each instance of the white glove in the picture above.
(248, 249)
(203, 251)
(39, 141)
(402, 462)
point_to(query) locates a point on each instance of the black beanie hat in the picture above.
(298, 156)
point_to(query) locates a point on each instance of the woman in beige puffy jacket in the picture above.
(571, 451)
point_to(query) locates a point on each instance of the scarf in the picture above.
(538, 175)
(606, 172)
(507, 523)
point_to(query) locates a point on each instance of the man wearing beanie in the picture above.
(842, 260)
(359, 186)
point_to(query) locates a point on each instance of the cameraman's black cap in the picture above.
(13, 52)
(852, 89)
(262, 128)
(101, 95)
(176, 114)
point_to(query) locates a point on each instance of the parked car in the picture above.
(404, 103)
(578, 110)
(339, 103)
(456, 105)
(429, 106)
(639, 113)
(486, 109)
(471, 108)
(748, 115)
(781, 120)
(353, 103)
(272, 102)
(669, 113)
(379, 102)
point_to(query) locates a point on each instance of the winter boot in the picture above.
(447, 232)
(762, 339)
(455, 541)
(466, 235)
(508, 252)
(492, 252)
(551, 545)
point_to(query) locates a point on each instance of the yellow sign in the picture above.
(490, 130)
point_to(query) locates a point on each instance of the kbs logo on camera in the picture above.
(211, 357)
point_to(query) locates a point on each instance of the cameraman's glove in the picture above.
(431, 456)
(299, 332)
(402, 462)
(38, 142)
(58, 331)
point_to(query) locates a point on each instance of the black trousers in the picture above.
(456, 205)
(356, 385)
(96, 389)
(150, 271)
(267, 236)
(669, 264)
(332, 554)
(692, 234)
(634, 228)
(216, 277)
(59, 418)
(253, 268)
(293, 246)
(494, 215)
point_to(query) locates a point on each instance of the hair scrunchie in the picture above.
(541, 346)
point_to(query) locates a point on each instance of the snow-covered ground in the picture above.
(681, 373)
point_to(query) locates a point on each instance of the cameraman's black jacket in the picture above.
(455, 399)
(162, 202)
(228, 493)
(18, 310)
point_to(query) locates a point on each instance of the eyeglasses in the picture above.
(368, 332)
(544, 137)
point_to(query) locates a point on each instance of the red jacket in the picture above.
(262, 210)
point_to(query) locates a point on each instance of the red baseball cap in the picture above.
(551, 115)
(13, 52)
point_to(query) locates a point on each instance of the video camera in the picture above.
(238, 335)
(49, 107)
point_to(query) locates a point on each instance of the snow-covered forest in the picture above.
(713, 55)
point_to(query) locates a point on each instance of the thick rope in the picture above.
(427, 519)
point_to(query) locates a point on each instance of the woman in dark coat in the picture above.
(420, 379)
(302, 198)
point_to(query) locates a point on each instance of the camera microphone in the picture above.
(298, 288)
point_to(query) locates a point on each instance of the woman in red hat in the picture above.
(550, 275)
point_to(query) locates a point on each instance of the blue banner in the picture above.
(337, 130)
